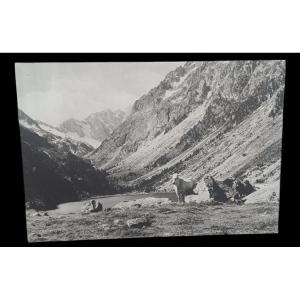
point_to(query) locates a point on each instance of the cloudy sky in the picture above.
(54, 92)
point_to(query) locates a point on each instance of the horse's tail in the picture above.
(194, 183)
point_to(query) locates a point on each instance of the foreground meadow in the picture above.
(162, 221)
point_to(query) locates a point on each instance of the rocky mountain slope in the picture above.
(54, 136)
(53, 170)
(95, 128)
(222, 118)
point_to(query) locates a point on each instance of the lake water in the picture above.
(107, 201)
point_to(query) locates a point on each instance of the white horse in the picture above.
(183, 188)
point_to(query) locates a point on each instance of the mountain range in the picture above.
(218, 118)
(222, 118)
(93, 129)
(54, 136)
(54, 168)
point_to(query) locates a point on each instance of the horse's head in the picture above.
(175, 178)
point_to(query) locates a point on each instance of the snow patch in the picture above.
(176, 85)
(73, 136)
(52, 130)
(85, 139)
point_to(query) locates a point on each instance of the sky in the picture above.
(54, 92)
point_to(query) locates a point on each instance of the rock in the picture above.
(144, 202)
(138, 222)
(267, 192)
(241, 189)
(167, 234)
(33, 235)
(203, 194)
(40, 214)
(95, 127)
(36, 214)
(105, 227)
(230, 189)
(166, 210)
(117, 222)
(216, 193)
(91, 207)
(274, 197)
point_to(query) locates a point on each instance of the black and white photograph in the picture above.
(118, 150)
(150, 150)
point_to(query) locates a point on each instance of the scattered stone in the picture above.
(138, 222)
(40, 214)
(107, 209)
(105, 227)
(166, 234)
(36, 214)
(33, 235)
(273, 197)
(166, 210)
(91, 207)
(170, 212)
(117, 222)
(260, 180)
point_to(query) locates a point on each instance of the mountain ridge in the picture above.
(95, 127)
(191, 104)
(54, 168)
(54, 136)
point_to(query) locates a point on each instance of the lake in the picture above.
(107, 202)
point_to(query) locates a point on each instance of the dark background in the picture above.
(12, 203)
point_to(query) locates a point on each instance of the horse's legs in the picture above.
(178, 197)
(182, 196)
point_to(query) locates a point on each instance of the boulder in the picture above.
(91, 207)
(36, 214)
(274, 197)
(230, 189)
(216, 192)
(117, 222)
(138, 222)
(203, 194)
(266, 193)
(40, 214)
(140, 203)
